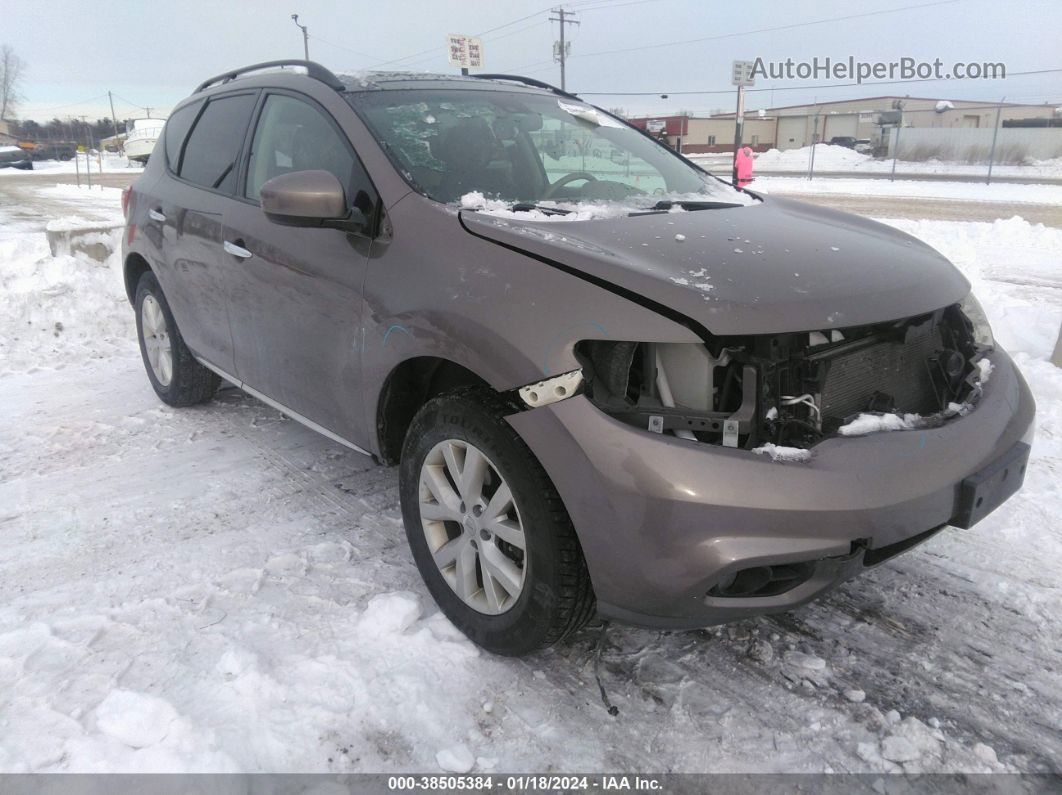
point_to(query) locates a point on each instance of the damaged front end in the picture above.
(792, 390)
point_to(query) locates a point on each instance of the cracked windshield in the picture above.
(496, 149)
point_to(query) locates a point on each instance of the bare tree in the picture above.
(10, 78)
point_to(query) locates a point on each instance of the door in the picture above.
(188, 204)
(791, 132)
(296, 293)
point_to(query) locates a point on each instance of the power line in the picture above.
(766, 30)
(576, 4)
(485, 41)
(341, 47)
(435, 49)
(70, 104)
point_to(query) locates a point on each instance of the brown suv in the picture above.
(610, 379)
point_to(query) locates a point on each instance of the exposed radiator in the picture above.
(898, 370)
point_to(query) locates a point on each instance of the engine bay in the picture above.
(793, 389)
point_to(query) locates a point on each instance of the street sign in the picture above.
(742, 75)
(465, 51)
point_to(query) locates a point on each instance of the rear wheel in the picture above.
(177, 378)
(487, 528)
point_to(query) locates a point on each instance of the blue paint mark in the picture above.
(395, 327)
(563, 333)
(922, 441)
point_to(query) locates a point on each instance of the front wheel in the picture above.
(488, 530)
(177, 378)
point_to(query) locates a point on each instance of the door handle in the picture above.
(237, 250)
(156, 215)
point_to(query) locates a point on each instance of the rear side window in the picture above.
(176, 129)
(210, 154)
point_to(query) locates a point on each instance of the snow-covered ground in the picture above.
(219, 588)
(110, 163)
(1003, 192)
(840, 158)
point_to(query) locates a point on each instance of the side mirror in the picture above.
(310, 198)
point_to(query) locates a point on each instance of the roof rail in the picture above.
(313, 69)
(528, 81)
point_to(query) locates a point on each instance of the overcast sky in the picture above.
(154, 53)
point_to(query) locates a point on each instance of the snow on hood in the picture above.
(591, 211)
(778, 266)
(582, 211)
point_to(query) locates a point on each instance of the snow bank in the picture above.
(827, 158)
(112, 163)
(55, 311)
(840, 158)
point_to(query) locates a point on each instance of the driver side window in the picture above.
(294, 136)
(566, 147)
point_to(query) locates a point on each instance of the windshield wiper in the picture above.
(666, 204)
(526, 207)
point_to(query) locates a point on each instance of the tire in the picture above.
(555, 598)
(186, 382)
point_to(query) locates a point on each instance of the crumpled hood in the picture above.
(777, 266)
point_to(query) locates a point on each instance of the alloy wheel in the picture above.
(157, 341)
(473, 526)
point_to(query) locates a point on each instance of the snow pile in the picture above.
(780, 453)
(59, 310)
(827, 158)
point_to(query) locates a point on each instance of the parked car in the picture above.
(864, 146)
(847, 141)
(15, 157)
(627, 387)
(54, 150)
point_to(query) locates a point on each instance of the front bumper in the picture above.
(662, 521)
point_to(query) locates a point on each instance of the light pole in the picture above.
(305, 36)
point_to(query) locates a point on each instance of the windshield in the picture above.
(524, 148)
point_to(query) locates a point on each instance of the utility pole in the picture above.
(739, 129)
(995, 135)
(88, 146)
(562, 46)
(305, 37)
(741, 77)
(114, 123)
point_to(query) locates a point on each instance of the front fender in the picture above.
(507, 317)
